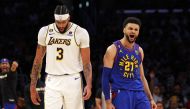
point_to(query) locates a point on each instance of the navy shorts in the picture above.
(126, 99)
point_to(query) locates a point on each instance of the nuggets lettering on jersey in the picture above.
(128, 64)
(126, 70)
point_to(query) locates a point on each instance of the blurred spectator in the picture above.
(156, 94)
(8, 82)
(173, 102)
(160, 105)
(152, 79)
(177, 91)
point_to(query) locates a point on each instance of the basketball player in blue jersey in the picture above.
(123, 72)
(67, 49)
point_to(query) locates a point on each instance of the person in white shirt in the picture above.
(67, 50)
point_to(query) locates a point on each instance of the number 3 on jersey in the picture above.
(60, 54)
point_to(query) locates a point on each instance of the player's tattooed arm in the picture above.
(87, 67)
(37, 64)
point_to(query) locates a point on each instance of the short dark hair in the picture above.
(61, 9)
(132, 20)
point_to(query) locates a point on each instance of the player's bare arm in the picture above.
(110, 56)
(37, 65)
(87, 69)
(145, 83)
(108, 62)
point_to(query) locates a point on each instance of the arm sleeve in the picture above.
(105, 82)
(82, 37)
(42, 34)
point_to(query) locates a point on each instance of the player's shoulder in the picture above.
(79, 29)
(140, 49)
(110, 52)
(44, 28)
(111, 49)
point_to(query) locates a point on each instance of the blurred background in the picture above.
(164, 36)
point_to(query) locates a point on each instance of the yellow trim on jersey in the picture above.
(47, 33)
(58, 31)
(75, 37)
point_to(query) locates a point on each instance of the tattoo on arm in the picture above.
(37, 65)
(34, 75)
(87, 69)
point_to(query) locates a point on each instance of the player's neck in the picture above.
(68, 26)
(127, 44)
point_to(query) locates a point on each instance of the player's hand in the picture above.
(34, 95)
(14, 66)
(87, 92)
(153, 104)
(109, 105)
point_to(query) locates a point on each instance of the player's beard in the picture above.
(129, 39)
(65, 29)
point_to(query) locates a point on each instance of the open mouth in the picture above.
(131, 36)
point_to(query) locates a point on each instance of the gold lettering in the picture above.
(122, 60)
(127, 57)
(59, 41)
(68, 42)
(121, 63)
(56, 41)
(136, 62)
(126, 74)
(50, 41)
(136, 66)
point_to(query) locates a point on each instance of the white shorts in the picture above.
(64, 91)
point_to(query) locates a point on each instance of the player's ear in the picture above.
(123, 30)
(69, 18)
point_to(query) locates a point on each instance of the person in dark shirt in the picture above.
(8, 82)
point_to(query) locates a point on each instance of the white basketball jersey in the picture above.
(63, 50)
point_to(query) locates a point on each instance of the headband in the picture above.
(61, 17)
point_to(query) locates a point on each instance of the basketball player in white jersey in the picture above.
(67, 50)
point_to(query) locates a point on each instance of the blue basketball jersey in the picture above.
(125, 73)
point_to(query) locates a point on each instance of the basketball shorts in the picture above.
(64, 92)
(126, 99)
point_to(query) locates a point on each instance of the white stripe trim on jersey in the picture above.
(61, 17)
